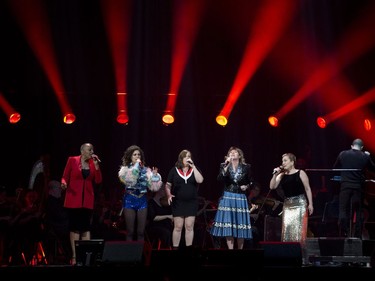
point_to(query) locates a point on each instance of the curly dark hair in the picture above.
(127, 158)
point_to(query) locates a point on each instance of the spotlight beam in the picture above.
(359, 40)
(186, 19)
(32, 19)
(11, 113)
(262, 38)
(117, 19)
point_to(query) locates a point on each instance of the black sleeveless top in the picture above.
(292, 185)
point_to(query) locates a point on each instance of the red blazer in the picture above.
(80, 191)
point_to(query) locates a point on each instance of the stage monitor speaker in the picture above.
(282, 253)
(233, 258)
(198, 257)
(123, 252)
(89, 252)
(334, 246)
(369, 250)
(168, 259)
(368, 247)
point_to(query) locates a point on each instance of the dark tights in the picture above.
(134, 219)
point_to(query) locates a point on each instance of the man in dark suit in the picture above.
(354, 162)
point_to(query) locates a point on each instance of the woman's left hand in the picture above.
(244, 187)
(311, 209)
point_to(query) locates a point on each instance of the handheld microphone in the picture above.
(275, 170)
(227, 161)
(95, 157)
(190, 162)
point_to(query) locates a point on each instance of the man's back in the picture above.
(356, 162)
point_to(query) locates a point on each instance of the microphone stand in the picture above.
(261, 206)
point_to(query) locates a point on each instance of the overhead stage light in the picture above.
(14, 117)
(122, 118)
(321, 122)
(221, 120)
(69, 118)
(168, 119)
(367, 124)
(273, 121)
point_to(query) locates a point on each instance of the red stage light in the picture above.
(321, 122)
(221, 120)
(367, 124)
(168, 119)
(69, 118)
(273, 121)
(122, 118)
(14, 117)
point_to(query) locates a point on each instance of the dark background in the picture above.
(86, 69)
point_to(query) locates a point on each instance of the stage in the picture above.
(251, 271)
(271, 261)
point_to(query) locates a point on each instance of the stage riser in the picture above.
(206, 258)
(269, 253)
(337, 250)
(282, 253)
(330, 246)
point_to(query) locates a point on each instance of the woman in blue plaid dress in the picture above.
(232, 219)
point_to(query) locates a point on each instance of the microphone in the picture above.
(275, 170)
(227, 161)
(190, 162)
(96, 158)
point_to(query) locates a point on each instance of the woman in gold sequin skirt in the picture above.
(298, 202)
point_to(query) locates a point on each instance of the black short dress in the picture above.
(185, 189)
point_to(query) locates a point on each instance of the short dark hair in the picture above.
(358, 142)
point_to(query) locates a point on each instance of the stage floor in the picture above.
(189, 271)
(278, 261)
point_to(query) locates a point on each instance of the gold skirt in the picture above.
(294, 219)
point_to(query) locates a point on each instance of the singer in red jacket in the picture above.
(81, 173)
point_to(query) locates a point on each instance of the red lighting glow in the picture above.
(69, 118)
(367, 124)
(122, 118)
(168, 119)
(221, 120)
(186, 21)
(321, 122)
(14, 118)
(273, 121)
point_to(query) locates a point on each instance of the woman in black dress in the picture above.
(182, 193)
